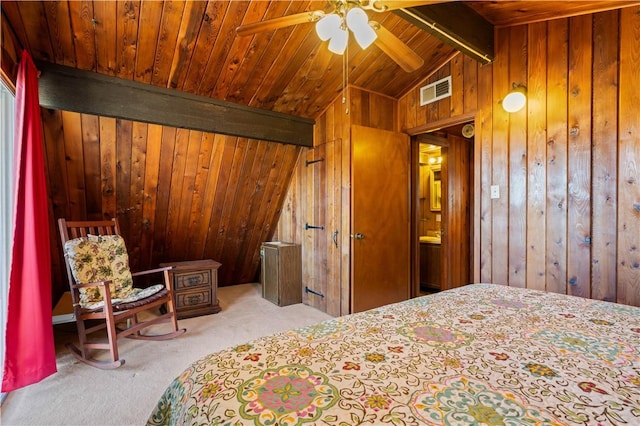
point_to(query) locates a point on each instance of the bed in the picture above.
(480, 354)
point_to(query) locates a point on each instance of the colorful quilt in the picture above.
(482, 354)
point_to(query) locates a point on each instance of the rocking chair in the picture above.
(102, 291)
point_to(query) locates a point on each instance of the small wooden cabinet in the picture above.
(430, 269)
(195, 287)
(281, 273)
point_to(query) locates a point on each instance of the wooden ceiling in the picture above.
(509, 13)
(192, 46)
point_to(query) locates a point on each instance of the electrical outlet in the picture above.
(495, 191)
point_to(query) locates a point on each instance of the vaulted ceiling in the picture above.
(192, 46)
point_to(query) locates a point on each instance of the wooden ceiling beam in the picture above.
(71, 89)
(456, 24)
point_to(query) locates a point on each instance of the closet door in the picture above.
(320, 208)
(380, 217)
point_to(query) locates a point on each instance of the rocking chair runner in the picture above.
(102, 290)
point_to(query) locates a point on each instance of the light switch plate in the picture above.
(495, 191)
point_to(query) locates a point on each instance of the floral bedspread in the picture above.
(480, 354)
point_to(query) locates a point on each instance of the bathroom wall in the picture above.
(429, 222)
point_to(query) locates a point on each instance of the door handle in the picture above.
(334, 237)
(358, 236)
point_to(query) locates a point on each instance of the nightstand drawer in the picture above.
(192, 279)
(193, 299)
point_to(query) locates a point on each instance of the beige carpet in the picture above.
(81, 395)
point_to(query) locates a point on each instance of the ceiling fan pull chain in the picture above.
(344, 100)
(345, 78)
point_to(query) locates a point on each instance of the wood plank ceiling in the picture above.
(184, 194)
(191, 46)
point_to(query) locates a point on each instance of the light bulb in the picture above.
(514, 101)
(358, 22)
(328, 26)
(338, 41)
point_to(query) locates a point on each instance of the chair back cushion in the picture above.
(99, 258)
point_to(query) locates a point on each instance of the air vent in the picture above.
(435, 91)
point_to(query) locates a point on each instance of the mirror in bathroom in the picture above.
(436, 188)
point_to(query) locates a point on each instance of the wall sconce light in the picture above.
(516, 99)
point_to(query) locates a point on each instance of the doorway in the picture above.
(442, 165)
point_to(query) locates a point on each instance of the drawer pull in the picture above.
(194, 300)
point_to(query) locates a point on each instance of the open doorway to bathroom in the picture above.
(442, 205)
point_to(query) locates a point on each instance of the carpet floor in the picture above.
(82, 395)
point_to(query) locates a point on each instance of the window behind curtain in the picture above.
(7, 109)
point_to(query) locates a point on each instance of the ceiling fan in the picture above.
(347, 16)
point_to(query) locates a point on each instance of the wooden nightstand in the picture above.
(195, 287)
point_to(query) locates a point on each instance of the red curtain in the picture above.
(30, 350)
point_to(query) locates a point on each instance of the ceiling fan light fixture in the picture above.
(358, 23)
(365, 36)
(328, 26)
(338, 42)
(356, 18)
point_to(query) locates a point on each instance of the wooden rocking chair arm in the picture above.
(151, 271)
(96, 284)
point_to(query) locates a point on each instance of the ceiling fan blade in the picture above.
(275, 23)
(396, 49)
(385, 5)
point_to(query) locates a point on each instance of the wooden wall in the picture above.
(178, 194)
(568, 165)
(319, 195)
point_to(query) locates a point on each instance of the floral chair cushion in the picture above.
(101, 258)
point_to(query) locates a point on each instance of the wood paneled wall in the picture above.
(319, 195)
(568, 165)
(178, 194)
(464, 99)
